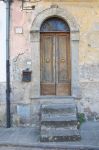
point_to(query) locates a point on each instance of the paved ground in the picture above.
(28, 139)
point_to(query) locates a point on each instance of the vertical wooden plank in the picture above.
(63, 64)
(47, 65)
(69, 57)
(62, 58)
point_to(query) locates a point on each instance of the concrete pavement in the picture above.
(28, 139)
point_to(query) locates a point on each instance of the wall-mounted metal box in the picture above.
(26, 75)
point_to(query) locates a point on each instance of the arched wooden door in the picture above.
(55, 58)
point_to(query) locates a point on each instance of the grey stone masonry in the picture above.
(59, 122)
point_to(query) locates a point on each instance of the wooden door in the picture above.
(55, 64)
(47, 65)
(63, 64)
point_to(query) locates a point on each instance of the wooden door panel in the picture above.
(47, 68)
(62, 59)
(48, 89)
(63, 86)
(63, 89)
(47, 59)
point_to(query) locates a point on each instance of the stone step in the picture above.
(56, 100)
(59, 108)
(58, 117)
(59, 120)
(47, 128)
(59, 134)
(58, 131)
(60, 123)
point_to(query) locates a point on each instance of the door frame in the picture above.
(35, 49)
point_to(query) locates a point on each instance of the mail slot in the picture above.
(26, 75)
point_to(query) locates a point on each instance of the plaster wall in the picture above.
(2, 62)
(2, 41)
(87, 17)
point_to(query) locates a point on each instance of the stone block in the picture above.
(2, 115)
(22, 115)
(24, 112)
(89, 72)
(15, 120)
(2, 92)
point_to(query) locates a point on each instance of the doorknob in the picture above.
(62, 60)
(47, 60)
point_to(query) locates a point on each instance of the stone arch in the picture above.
(58, 12)
(35, 48)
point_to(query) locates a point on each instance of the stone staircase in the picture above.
(59, 122)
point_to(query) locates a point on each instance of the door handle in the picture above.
(47, 60)
(62, 60)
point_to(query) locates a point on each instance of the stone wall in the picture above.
(26, 111)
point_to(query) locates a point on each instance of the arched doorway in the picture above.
(55, 61)
(35, 90)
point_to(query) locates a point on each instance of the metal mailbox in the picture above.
(26, 75)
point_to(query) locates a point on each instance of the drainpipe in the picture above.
(8, 115)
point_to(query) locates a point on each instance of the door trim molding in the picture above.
(35, 49)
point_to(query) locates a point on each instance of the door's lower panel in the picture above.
(48, 89)
(63, 89)
(59, 89)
